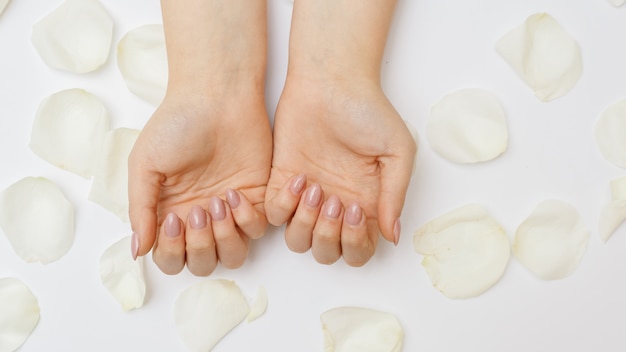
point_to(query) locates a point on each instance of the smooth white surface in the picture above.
(435, 47)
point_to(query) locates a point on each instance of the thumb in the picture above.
(395, 177)
(144, 187)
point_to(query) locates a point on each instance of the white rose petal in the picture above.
(207, 311)
(110, 179)
(69, 129)
(465, 251)
(544, 55)
(75, 37)
(468, 126)
(552, 240)
(614, 213)
(618, 188)
(356, 329)
(122, 276)
(3, 5)
(610, 133)
(19, 314)
(259, 305)
(37, 219)
(142, 60)
(617, 3)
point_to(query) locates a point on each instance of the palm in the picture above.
(341, 141)
(195, 162)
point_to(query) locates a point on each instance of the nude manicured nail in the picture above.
(332, 207)
(396, 232)
(232, 198)
(197, 217)
(313, 196)
(297, 184)
(217, 209)
(172, 225)
(134, 245)
(354, 214)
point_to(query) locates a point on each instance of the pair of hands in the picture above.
(205, 176)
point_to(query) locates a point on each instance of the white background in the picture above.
(435, 47)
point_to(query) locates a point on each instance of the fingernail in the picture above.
(313, 196)
(332, 207)
(354, 214)
(197, 217)
(232, 198)
(134, 245)
(297, 184)
(396, 232)
(217, 209)
(172, 225)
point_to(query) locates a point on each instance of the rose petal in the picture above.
(19, 314)
(618, 188)
(544, 55)
(142, 60)
(3, 5)
(355, 329)
(610, 133)
(37, 219)
(612, 216)
(122, 276)
(110, 179)
(552, 240)
(259, 306)
(207, 311)
(468, 126)
(614, 213)
(465, 251)
(69, 129)
(75, 37)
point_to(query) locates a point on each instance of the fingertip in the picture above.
(134, 245)
(282, 206)
(250, 219)
(143, 197)
(144, 233)
(391, 229)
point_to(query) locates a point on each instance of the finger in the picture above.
(357, 246)
(143, 196)
(282, 205)
(326, 243)
(231, 246)
(394, 182)
(250, 221)
(299, 231)
(169, 252)
(200, 244)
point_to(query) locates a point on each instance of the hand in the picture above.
(199, 153)
(342, 163)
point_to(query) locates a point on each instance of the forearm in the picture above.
(339, 38)
(215, 44)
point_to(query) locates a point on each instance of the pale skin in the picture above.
(200, 183)
(337, 133)
(199, 169)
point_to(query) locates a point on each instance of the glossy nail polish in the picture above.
(354, 214)
(332, 207)
(172, 225)
(217, 209)
(297, 184)
(134, 245)
(313, 196)
(396, 232)
(232, 198)
(197, 217)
